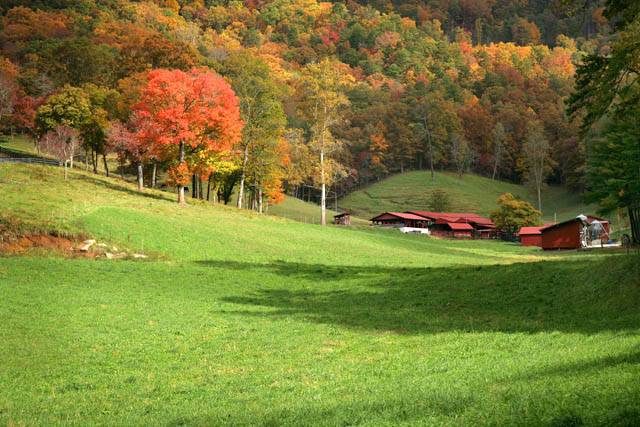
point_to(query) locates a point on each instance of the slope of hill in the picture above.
(237, 318)
(18, 144)
(472, 193)
(299, 210)
(291, 207)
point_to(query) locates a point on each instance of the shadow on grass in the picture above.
(411, 406)
(569, 296)
(123, 188)
(583, 367)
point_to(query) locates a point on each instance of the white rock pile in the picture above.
(109, 252)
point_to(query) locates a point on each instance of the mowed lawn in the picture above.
(471, 193)
(247, 320)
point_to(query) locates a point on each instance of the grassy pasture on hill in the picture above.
(291, 207)
(255, 320)
(18, 143)
(472, 193)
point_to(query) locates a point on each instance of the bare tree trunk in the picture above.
(140, 177)
(65, 170)
(323, 196)
(259, 200)
(430, 146)
(154, 174)
(106, 165)
(181, 187)
(245, 159)
(94, 161)
(634, 221)
(539, 198)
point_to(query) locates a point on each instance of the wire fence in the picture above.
(33, 160)
(19, 157)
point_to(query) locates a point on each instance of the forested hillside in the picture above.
(458, 85)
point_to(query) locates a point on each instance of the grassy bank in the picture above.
(250, 320)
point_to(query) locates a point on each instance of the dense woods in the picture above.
(607, 96)
(301, 94)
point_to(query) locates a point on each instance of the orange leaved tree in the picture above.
(194, 109)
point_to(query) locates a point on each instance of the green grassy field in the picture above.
(472, 193)
(244, 319)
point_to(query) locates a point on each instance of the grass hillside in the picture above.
(242, 319)
(291, 207)
(18, 143)
(299, 210)
(472, 193)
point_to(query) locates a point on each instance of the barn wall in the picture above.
(531, 240)
(566, 236)
(462, 234)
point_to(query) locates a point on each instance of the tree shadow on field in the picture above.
(583, 366)
(123, 188)
(408, 407)
(569, 296)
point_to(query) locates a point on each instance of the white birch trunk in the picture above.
(181, 199)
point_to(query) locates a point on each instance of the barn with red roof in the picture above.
(400, 219)
(531, 236)
(442, 224)
(574, 233)
(480, 227)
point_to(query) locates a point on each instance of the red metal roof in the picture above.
(535, 230)
(559, 224)
(454, 217)
(402, 215)
(530, 230)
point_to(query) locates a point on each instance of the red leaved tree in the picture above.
(181, 110)
(124, 143)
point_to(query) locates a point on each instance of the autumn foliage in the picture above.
(197, 108)
(428, 85)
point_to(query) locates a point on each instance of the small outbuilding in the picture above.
(565, 235)
(531, 236)
(576, 233)
(342, 219)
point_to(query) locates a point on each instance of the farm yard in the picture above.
(301, 213)
(312, 325)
